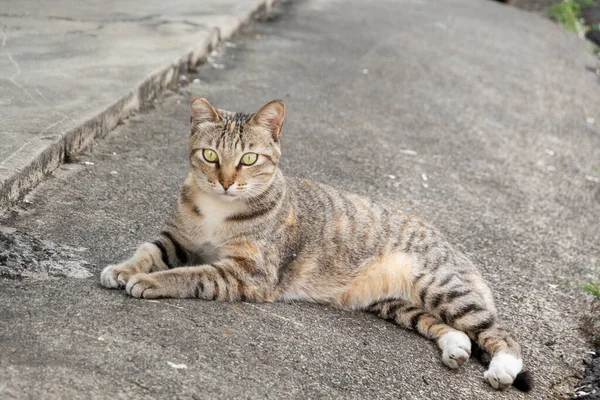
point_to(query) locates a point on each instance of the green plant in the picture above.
(593, 288)
(568, 14)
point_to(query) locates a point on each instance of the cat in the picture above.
(241, 231)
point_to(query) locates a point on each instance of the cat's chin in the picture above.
(221, 196)
(228, 197)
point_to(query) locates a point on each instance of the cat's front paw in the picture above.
(456, 348)
(116, 276)
(145, 286)
(503, 370)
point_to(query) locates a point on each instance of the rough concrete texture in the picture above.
(72, 70)
(22, 256)
(478, 117)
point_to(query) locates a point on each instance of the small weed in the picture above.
(593, 288)
(568, 14)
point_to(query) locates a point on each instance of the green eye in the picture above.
(210, 155)
(249, 158)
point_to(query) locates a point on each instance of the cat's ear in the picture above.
(270, 117)
(202, 111)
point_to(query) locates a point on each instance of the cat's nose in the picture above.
(226, 184)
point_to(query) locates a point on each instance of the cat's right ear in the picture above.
(202, 111)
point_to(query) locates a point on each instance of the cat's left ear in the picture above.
(270, 117)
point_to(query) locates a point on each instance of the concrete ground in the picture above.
(478, 117)
(71, 70)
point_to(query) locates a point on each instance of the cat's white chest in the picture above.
(215, 213)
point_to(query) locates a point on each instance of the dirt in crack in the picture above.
(589, 387)
(23, 256)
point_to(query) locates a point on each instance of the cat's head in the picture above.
(234, 155)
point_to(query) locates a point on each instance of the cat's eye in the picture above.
(210, 155)
(249, 158)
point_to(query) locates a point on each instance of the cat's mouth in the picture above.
(227, 195)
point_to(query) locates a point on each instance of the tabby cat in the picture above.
(241, 231)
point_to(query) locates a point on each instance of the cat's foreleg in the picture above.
(231, 279)
(164, 253)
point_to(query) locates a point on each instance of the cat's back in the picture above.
(354, 224)
(322, 200)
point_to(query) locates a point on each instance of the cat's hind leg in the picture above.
(464, 302)
(455, 345)
(507, 362)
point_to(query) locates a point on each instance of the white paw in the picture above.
(456, 348)
(108, 278)
(503, 370)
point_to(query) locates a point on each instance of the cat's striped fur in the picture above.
(246, 233)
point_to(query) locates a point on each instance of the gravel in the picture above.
(589, 387)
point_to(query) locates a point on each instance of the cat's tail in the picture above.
(524, 379)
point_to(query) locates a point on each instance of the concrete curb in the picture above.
(80, 137)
